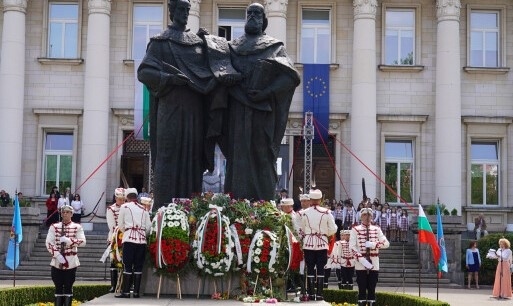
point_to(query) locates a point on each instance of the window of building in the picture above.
(484, 171)
(399, 36)
(399, 170)
(63, 29)
(147, 22)
(57, 160)
(315, 36)
(485, 38)
(231, 22)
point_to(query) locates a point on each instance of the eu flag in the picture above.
(442, 264)
(316, 97)
(12, 259)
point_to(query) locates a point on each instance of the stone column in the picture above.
(12, 93)
(448, 105)
(193, 23)
(276, 12)
(363, 106)
(96, 105)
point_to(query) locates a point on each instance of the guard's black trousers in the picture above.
(133, 257)
(63, 280)
(347, 275)
(367, 281)
(315, 258)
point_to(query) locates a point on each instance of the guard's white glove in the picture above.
(366, 263)
(60, 259)
(66, 240)
(370, 245)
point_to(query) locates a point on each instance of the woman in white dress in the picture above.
(77, 208)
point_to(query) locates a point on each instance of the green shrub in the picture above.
(21, 296)
(454, 212)
(431, 210)
(488, 266)
(382, 298)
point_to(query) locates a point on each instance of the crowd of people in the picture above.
(57, 200)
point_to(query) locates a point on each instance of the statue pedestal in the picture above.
(190, 283)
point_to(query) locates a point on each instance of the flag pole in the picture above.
(15, 242)
(439, 272)
(14, 265)
(420, 256)
(420, 264)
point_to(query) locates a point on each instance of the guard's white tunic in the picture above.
(73, 231)
(134, 221)
(357, 244)
(317, 224)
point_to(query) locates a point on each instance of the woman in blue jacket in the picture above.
(473, 262)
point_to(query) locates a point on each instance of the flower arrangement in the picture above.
(213, 243)
(116, 251)
(263, 254)
(169, 239)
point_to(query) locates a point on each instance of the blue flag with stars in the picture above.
(442, 263)
(12, 259)
(316, 97)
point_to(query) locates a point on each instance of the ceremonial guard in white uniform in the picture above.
(134, 221)
(365, 241)
(305, 203)
(112, 222)
(62, 241)
(318, 225)
(287, 208)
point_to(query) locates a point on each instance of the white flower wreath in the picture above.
(255, 249)
(220, 267)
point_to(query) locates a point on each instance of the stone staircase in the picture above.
(398, 269)
(37, 265)
(398, 264)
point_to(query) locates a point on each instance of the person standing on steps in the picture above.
(134, 221)
(365, 241)
(112, 223)
(62, 241)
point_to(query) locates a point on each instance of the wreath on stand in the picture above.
(169, 242)
(213, 243)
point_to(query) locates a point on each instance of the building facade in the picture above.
(421, 96)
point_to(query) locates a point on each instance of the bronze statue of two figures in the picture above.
(206, 90)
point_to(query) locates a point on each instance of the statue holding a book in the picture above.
(257, 109)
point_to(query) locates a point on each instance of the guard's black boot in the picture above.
(362, 303)
(319, 296)
(113, 280)
(340, 286)
(59, 299)
(67, 300)
(371, 303)
(125, 290)
(311, 288)
(137, 284)
(349, 286)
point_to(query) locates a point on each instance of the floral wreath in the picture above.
(213, 243)
(169, 239)
(263, 253)
(294, 250)
(116, 251)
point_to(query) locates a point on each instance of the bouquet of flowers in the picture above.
(213, 243)
(169, 239)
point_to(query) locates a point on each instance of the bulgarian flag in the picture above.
(426, 235)
(141, 107)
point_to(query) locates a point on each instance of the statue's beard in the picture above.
(253, 26)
